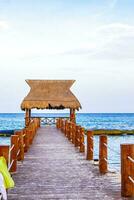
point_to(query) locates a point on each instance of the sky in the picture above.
(91, 41)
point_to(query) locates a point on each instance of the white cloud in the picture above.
(118, 41)
(116, 30)
(110, 41)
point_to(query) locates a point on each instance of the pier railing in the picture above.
(20, 143)
(49, 120)
(76, 135)
(22, 139)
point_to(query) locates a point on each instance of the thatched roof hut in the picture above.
(50, 94)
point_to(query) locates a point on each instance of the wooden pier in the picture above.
(54, 169)
(59, 164)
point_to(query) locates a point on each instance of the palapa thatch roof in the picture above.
(50, 94)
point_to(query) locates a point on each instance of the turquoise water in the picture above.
(90, 121)
(107, 121)
(114, 143)
(9, 121)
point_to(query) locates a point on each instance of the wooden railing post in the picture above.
(63, 126)
(103, 154)
(90, 145)
(127, 170)
(21, 145)
(13, 153)
(82, 146)
(69, 130)
(60, 123)
(32, 132)
(77, 136)
(57, 123)
(26, 140)
(66, 127)
(4, 151)
(73, 132)
(38, 123)
(28, 132)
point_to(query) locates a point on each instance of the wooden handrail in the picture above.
(12, 147)
(10, 165)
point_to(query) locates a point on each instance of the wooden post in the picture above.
(13, 154)
(30, 132)
(29, 115)
(82, 146)
(66, 127)
(77, 136)
(103, 154)
(39, 122)
(21, 145)
(60, 123)
(127, 170)
(69, 131)
(26, 140)
(62, 126)
(57, 123)
(89, 145)
(4, 151)
(72, 115)
(73, 132)
(27, 119)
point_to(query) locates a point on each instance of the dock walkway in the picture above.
(54, 169)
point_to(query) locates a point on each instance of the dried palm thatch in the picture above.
(50, 94)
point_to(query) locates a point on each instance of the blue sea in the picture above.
(123, 121)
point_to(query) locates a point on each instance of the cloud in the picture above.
(116, 30)
(110, 41)
(3, 25)
(118, 41)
